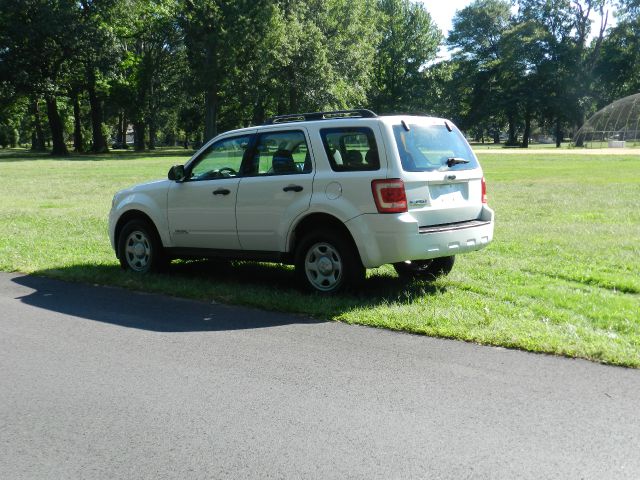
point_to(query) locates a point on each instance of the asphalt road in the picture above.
(102, 383)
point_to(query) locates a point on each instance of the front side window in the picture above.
(351, 149)
(221, 159)
(280, 153)
(425, 148)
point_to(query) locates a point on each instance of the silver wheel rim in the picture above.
(137, 251)
(323, 266)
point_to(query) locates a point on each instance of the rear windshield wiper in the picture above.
(455, 161)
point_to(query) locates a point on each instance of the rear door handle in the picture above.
(292, 188)
(222, 191)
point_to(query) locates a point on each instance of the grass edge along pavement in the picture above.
(561, 276)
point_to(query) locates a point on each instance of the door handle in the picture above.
(292, 188)
(222, 191)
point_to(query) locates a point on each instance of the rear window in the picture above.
(425, 148)
(351, 149)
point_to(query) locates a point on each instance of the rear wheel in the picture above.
(327, 262)
(425, 269)
(139, 248)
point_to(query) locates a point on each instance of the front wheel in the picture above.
(139, 248)
(327, 262)
(425, 269)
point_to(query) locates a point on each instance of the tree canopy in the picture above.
(92, 72)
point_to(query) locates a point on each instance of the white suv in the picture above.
(332, 193)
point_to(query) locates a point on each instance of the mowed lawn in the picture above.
(562, 276)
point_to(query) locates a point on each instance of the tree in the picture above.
(38, 41)
(568, 60)
(477, 38)
(521, 76)
(618, 68)
(409, 41)
(146, 87)
(322, 49)
(12, 110)
(217, 33)
(97, 55)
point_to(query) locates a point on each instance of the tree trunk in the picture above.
(293, 97)
(152, 134)
(558, 133)
(77, 125)
(211, 115)
(258, 112)
(580, 139)
(138, 135)
(151, 119)
(37, 139)
(56, 126)
(527, 130)
(512, 131)
(99, 142)
(119, 137)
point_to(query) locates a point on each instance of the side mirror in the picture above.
(176, 173)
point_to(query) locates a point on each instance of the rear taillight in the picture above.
(484, 191)
(389, 195)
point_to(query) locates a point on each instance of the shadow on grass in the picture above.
(217, 285)
(21, 155)
(380, 287)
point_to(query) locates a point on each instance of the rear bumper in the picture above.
(385, 239)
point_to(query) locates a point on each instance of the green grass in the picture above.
(488, 145)
(562, 276)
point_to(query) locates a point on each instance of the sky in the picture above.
(442, 11)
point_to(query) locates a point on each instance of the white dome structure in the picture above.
(616, 125)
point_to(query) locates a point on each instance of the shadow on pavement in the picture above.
(262, 285)
(144, 311)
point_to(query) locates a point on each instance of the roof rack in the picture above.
(306, 117)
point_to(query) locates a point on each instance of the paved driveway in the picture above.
(102, 383)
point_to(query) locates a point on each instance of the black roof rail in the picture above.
(306, 117)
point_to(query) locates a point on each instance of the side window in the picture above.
(351, 149)
(280, 153)
(221, 159)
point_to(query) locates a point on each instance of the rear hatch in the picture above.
(442, 176)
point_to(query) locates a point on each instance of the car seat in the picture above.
(283, 162)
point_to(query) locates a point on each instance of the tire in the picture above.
(328, 262)
(140, 249)
(425, 269)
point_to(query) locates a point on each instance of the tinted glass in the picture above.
(280, 153)
(426, 148)
(221, 159)
(351, 149)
